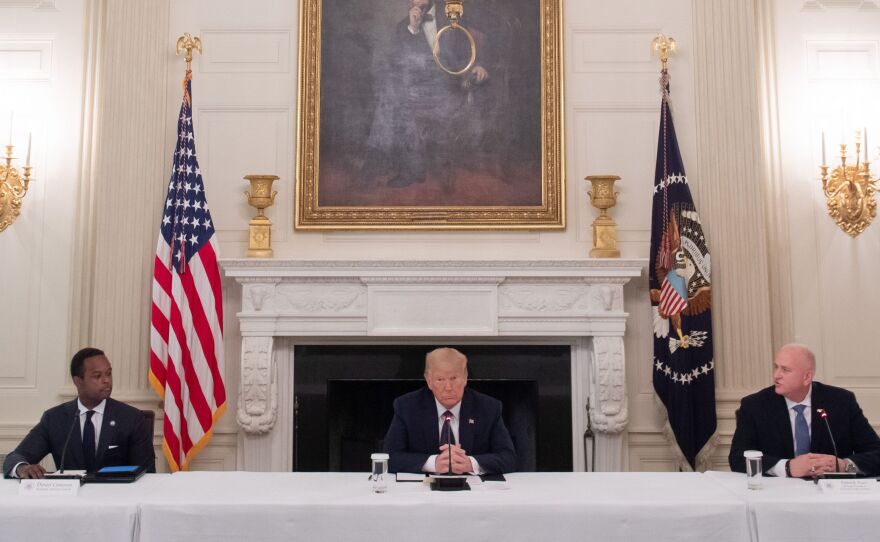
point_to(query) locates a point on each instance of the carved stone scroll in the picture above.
(258, 395)
(608, 385)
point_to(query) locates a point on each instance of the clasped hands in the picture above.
(815, 464)
(461, 463)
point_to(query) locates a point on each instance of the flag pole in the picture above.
(188, 43)
(663, 46)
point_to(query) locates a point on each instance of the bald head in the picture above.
(793, 371)
(446, 375)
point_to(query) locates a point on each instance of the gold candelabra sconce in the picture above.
(260, 196)
(849, 189)
(13, 186)
(603, 197)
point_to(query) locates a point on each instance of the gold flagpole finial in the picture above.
(188, 43)
(663, 46)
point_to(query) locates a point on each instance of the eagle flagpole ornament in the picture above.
(680, 289)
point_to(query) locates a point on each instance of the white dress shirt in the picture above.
(97, 418)
(431, 464)
(779, 468)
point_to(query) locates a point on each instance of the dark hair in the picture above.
(77, 363)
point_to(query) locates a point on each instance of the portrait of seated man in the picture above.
(98, 431)
(784, 421)
(417, 439)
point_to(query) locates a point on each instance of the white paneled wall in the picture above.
(41, 50)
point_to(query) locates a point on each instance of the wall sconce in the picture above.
(849, 190)
(13, 185)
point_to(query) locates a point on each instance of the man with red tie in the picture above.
(426, 420)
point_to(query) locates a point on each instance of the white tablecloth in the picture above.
(714, 507)
(538, 506)
(794, 510)
(101, 512)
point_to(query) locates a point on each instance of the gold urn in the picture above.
(260, 196)
(603, 197)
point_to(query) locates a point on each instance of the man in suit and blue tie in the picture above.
(785, 422)
(417, 437)
(98, 431)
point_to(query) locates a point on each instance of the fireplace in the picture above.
(343, 400)
(292, 310)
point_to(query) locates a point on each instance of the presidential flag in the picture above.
(680, 283)
(186, 339)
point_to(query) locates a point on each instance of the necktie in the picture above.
(427, 18)
(446, 434)
(88, 442)
(801, 432)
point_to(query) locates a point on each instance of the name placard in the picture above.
(858, 486)
(48, 487)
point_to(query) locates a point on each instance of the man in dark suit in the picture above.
(785, 422)
(101, 431)
(417, 437)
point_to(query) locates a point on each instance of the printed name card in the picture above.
(856, 486)
(48, 487)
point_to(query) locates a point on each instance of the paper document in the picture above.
(410, 476)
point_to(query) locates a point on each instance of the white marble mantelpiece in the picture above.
(329, 302)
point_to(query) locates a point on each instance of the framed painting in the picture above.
(409, 121)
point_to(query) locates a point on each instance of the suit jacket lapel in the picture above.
(108, 428)
(74, 456)
(819, 442)
(783, 424)
(429, 415)
(465, 428)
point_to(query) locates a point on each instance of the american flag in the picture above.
(186, 339)
(680, 271)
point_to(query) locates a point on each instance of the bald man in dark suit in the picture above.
(784, 421)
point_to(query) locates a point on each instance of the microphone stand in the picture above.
(450, 483)
(449, 442)
(837, 474)
(60, 473)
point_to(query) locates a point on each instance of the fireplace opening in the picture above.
(344, 395)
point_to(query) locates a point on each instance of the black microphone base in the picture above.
(449, 484)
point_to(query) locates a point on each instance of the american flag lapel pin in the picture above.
(471, 421)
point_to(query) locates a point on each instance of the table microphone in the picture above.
(60, 472)
(452, 483)
(448, 423)
(824, 415)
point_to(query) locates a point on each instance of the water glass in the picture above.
(754, 469)
(379, 475)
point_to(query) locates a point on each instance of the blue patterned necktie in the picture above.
(801, 432)
(88, 442)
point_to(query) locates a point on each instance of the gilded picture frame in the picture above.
(387, 140)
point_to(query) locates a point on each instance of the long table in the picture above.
(100, 513)
(229, 506)
(788, 510)
(559, 507)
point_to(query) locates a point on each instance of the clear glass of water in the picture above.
(754, 469)
(379, 475)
